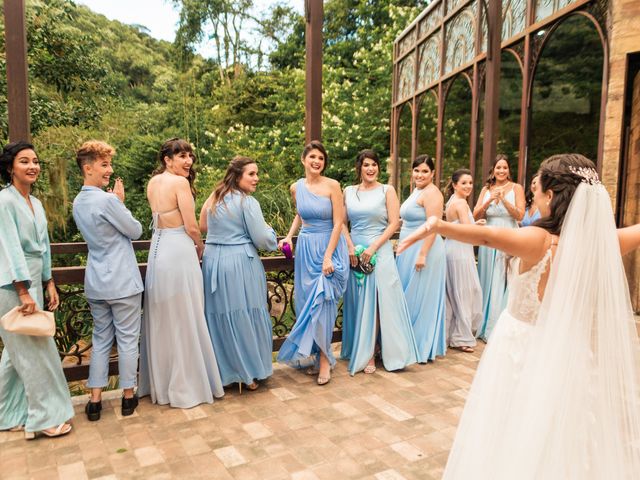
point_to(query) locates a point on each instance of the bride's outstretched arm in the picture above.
(527, 243)
(629, 238)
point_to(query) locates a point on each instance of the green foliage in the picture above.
(95, 78)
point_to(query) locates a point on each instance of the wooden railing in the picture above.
(73, 336)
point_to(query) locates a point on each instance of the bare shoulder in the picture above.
(433, 193)
(518, 188)
(292, 188)
(389, 189)
(332, 184)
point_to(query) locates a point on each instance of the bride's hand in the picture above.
(426, 229)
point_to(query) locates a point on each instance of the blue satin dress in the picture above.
(425, 290)
(492, 268)
(316, 296)
(235, 285)
(529, 219)
(379, 293)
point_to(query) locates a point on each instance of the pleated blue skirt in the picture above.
(316, 298)
(236, 311)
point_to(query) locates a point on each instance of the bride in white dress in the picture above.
(556, 394)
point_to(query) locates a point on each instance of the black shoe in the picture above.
(129, 405)
(93, 410)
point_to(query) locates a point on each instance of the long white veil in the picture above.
(577, 413)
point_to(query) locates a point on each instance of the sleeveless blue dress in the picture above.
(529, 219)
(492, 268)
(425, 290)
(379, 292)
(316, 296)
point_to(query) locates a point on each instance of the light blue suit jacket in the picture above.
(108, 228)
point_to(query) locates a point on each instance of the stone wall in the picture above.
(624, 38)
(632, 203)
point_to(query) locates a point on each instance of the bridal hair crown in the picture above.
(588, 174)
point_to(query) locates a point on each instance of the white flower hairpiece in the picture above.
(588, 174)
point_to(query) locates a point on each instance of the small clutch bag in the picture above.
(38, 324)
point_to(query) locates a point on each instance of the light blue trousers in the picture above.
(119, 319)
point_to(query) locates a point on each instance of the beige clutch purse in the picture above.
(38, 324)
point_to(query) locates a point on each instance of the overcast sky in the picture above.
(159, 16)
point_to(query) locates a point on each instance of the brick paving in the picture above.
(384, 426)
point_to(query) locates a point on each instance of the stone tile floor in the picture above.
(385, 426)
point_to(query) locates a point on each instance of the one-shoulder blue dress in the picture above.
(424, 290)
(316, 296)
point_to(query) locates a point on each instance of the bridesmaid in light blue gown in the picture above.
(234, 278)
(501, 202)
(374, 305)
(321, 266)
(464, 295)
(531, 212)
(34, 396)
(423, 268)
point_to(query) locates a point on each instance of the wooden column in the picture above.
(492, 86)
(314, 13)
(17, 77)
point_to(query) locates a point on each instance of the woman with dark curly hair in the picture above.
(34, 396)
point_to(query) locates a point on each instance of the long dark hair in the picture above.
(9, 153)
(424, 158)
(172, 147)
(555, 174)
(231, 179)
(528, 198)
(455, 178)
(491, 181)
(316, 145)
(362, 156)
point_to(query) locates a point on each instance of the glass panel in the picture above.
(428, 124)
(567, 88)
(514, 17)
(544, 8)
(407, 42)
(429, 69)
(460, 33)
(406, 85)
(457, 128)
(453, 4)
(509, 113)
(429, 22)
(404, 152)
(485, 31)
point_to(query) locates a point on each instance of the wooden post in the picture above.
(492, 86)
(17, 76)
(314, 13)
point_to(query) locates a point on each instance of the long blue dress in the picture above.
(316, 295)
(236, 289)
(380, 291)
(492, 268)
(529, 219)
(424, 290)
(33, 390)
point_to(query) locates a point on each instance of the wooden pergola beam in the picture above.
(492, 85)
(15, 32)
(314, 13)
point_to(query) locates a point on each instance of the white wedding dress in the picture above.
(556, 393)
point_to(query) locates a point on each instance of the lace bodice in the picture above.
(523, 302)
